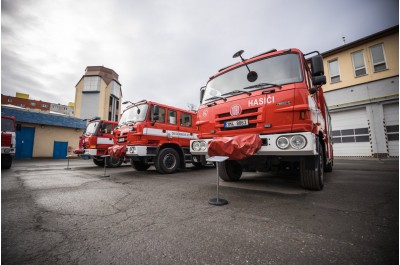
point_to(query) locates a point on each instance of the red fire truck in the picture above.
(95, 141)
(268, 113)
(7, 141)
(156, 134)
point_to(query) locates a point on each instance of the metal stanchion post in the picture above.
(105, 165)
(217, 201)
(68, 168)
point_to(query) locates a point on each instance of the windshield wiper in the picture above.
(237, 92)
(215, 98)
(263, 84)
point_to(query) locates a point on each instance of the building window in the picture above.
(91, 83)
(356, 135)
(21, 105)
(9, 100)
(378, 58)
(44, 106)
(33, 104)
(359, 63)
(334, 71)
(392, 132)
(115, 89)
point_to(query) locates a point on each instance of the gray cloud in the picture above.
(165, 50)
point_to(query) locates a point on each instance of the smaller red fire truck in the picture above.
(150, 133)
(7, 141)
(95, 141)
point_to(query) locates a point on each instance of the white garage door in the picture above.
(350, 133)
(391, 114)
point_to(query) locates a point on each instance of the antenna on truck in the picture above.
(251, 76)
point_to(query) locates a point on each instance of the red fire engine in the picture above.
(96, 140)
(156, 134)
(7, 141)
(268, 113)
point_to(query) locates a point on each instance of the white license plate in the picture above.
(236, 123)
(120, 140)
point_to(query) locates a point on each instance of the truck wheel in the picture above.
(114, 162)
(139, 165)
(6, 161)
(312, 171)
(167, 161)
(98, 162)
(230, 170)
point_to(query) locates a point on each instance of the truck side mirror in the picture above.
(319, 80)
(18, 127)
(317, 65)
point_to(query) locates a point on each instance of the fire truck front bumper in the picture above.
(290, 144)
(7, 151)
(90, 152)
(139, 150)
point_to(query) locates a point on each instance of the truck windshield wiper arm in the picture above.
(215, 98)
(263, 84)
(237, 92)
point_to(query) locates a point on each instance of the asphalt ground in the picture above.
(52, 215)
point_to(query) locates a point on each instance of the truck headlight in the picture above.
(282, 142)
(199, 146)
(132, 149)
(196, 146)
(203, 146)
(298, 142)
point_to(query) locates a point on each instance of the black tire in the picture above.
(312, 171)
(139, 165)
(6, 161)
(167, 161)
(114, 162)
(98, 162)
(229, 170)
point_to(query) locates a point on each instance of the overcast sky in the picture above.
(165, 50)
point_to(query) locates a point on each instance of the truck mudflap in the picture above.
(117, 151)
(235, 147)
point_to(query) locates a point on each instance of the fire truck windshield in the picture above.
(280, 70)
(91, 129)
(7, 125)
(134, 114)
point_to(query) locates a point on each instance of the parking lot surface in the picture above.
(52, 215)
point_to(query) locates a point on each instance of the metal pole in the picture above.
(218, 182)
(67, 163)
(217, 201)
(105, 165)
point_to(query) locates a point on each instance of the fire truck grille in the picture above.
(246, 111)
(246, 114)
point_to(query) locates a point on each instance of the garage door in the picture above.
(391, 114)
(350, 133)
